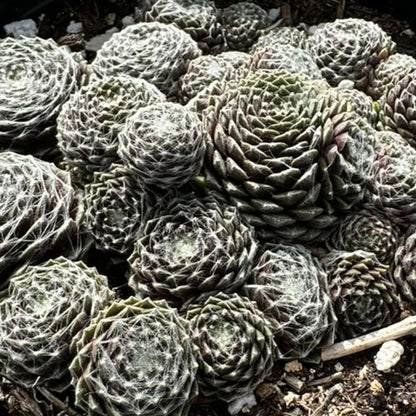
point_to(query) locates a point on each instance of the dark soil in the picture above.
(349, 386)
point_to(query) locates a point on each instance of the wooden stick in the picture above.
(294, 382)
(341, 9)
(400, 329)
(338, 376)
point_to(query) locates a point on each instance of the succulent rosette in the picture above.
(114, 209)
(163, 145)
(391, 189)
(349, 49)
(36, 77)
(388, 72)
(91, 120)
(290, 286)
(136, 357)
(242, 23)
(286, 58)
(45, 307)
(362, 291)
(404, 265)
(40, 212)
(278, 36)
(398, 109)
(235, 344)
(368, 231)
(191, 248)
(198, 18)
(359, 102)
(157, 52)
(289, 156)
(202, 71)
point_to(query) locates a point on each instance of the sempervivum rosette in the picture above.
(46, 306)
(242, 23)
(349, 49)
(201, 72)
(388, 72)
(405, 267)
(398, 108)
(236, 346)
(39, 210)
(191, 248)
(287, 157)
(136, 358)
(198, 18)
(90, 121)
(241, 61)
(359, 102)
(156, 52)
(368, 231)
(113, 210)
(209, 88)
(290, 286)
(362, 292)
(163, 145)
(286, 58)
(392, 187)
(36, 78)
(283, 35)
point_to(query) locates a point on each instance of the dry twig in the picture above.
(341, 349)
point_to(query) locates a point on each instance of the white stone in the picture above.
(388, 355)
(293, 366)
(274, 14)
(346, 84)
(409, 33)
(110, 18)
(127, 21)
(246, 402)
(74, 27)
(22, 28)
(95, 43)
(338, 366)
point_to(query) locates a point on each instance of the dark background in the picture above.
(11, 10)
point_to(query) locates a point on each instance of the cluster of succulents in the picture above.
(92, 118)
(250, 189)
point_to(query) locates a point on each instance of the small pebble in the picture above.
(388, 355)
(110, 19)
(22, 28)
(265, 390)
(376, 388)
(293, 366)
(95, 43)
(127, 21)
(274, 14)
(346, 84)
(363, 372)
(74, 27)
(338, 366)
(290, 398)
(409, 33)
(244, 404)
